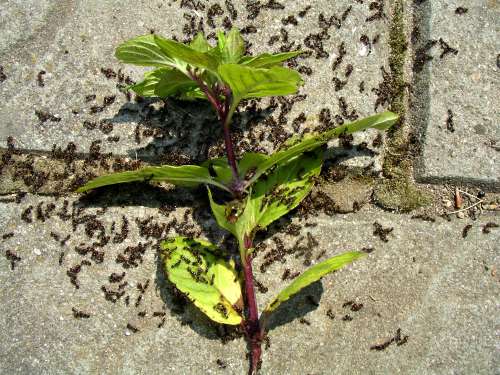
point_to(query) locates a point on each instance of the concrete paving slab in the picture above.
(72, 40)
(457, 69)
(439, 288)
(423, 302)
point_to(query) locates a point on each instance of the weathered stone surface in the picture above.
(29, 20)
(437, 287)
(348, 195)
(59, 173)
(72, 40)
(457, 91)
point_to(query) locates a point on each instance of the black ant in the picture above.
(132, 328)
(77, 314)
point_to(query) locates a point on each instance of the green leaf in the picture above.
(219, 170)
(249, 163)
(238, 218)
(186, 54)
(193, 94)
(222, 172)
(296, 146)
(185, 175)
(272, 197)
(286, 186)
(276, 193)
(174, 82)
(151, 79)
(144, 51)
(267, 60)
(198, 269)
(233, 47)
(225, 214)
(165, 82)
(312, 275)
(200, 43)
(221, 41)
(246, 82)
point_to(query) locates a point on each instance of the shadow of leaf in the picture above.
(179, 132)
(302, 303)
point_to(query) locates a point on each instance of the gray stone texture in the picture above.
(437, 287)
(72, 40)
(466, 83)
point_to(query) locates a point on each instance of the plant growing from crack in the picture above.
(259, 188)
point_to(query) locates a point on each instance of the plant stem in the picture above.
(212, 98)
(225, 112)
(226, 115)
(252, 326)
(231, 157)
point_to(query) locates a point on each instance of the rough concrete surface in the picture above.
(459, 90)
(440, 289)
(427, 296)
(88, 32)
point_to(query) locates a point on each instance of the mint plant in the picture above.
(262, 188)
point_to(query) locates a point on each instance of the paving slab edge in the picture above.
(420, 99)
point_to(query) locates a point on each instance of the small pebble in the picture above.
(461, 215)
(127, 333)
(363, 50)
(37, 252)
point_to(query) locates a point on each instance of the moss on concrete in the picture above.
(400, 194)
(398, 50)
(398, 191)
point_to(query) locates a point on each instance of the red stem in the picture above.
(212, 98)
(252, 326)
(222, 108)
(231, 157)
